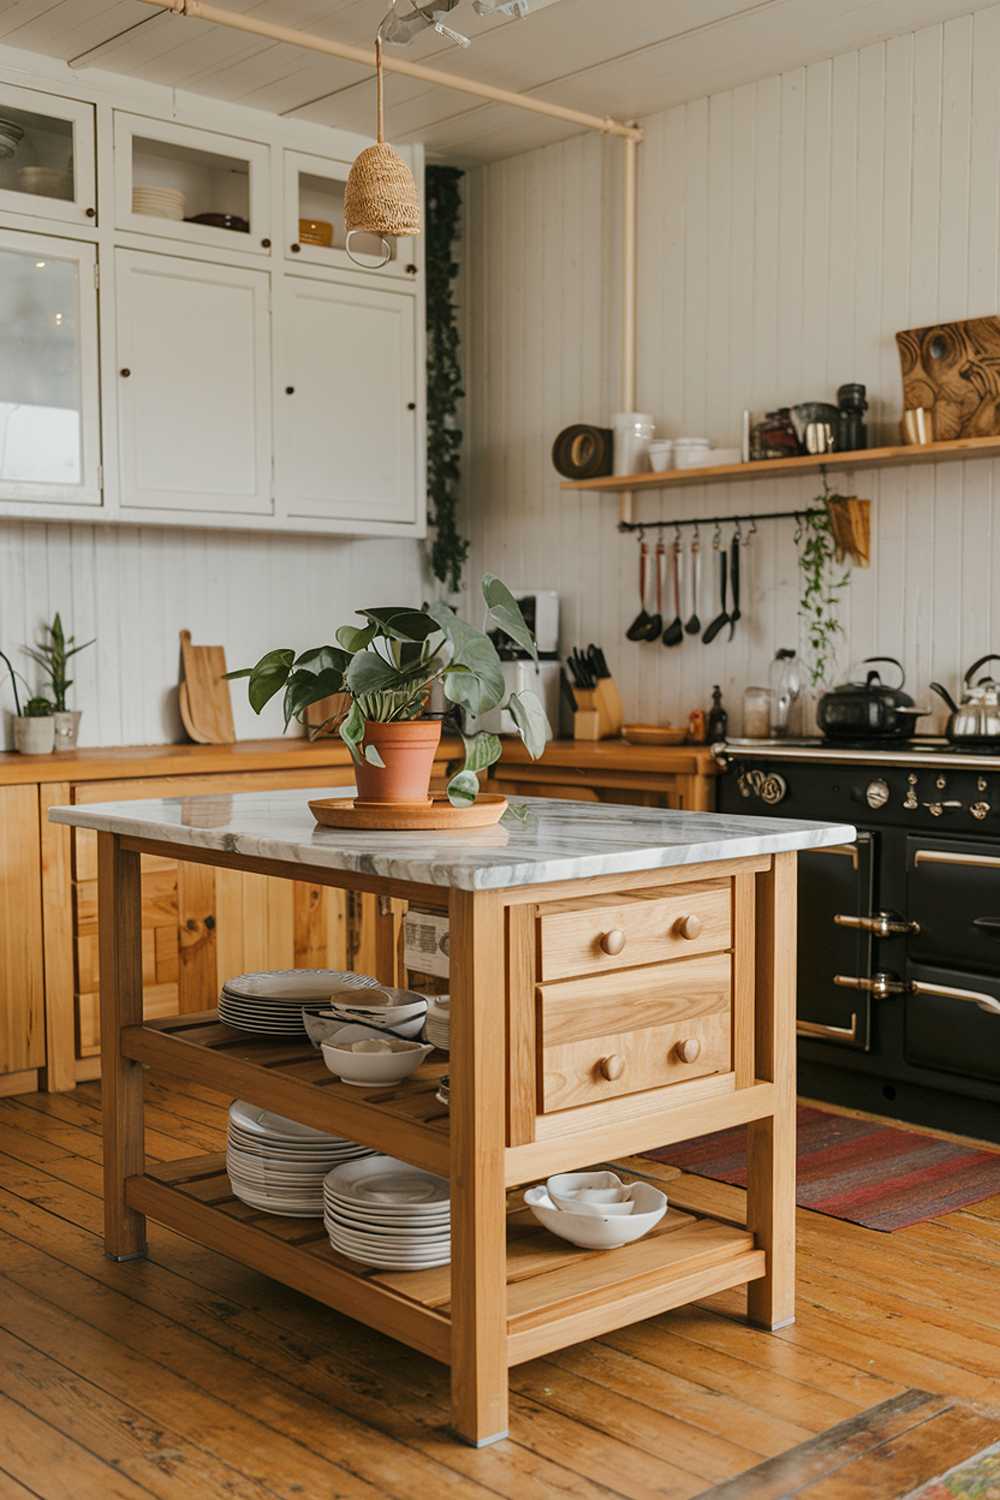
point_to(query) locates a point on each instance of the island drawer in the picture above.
(602, 1036)
(644, 928)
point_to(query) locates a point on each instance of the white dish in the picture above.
(592, 1193)
(388, 1183)
(268, 1125)
(661, 454)
(352, 1223)
(370, 1068)
(295, 986)
(606, 1232)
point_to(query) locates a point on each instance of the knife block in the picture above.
(599, 714)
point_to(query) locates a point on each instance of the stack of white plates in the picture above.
(385, 1213)
(279, 1165)
(438, 1023)
(11, 136)
(271, 1003)
(161, 202)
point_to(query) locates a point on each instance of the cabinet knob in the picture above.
(91, 213)
(411, 406)
(613, 942)
(411, 270)
(688, 927)
(689, 1050)
(295, 249)
(289, 390)
(611, 1067)
(266, 243)
(125, 374)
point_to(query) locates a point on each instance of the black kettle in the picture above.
(869, 710)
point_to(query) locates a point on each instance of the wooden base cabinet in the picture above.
(22, 978)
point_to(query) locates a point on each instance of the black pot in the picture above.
(869, 710)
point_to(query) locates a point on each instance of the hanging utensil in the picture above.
(655, 626)
(693, 625)
(674, 633)
(722, 618)
(637, 629)
(734, 578)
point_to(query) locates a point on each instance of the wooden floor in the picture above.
(188, 1376)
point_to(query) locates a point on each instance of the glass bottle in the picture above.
(718, 719)
(785, 676)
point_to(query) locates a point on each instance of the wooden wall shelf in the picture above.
(773, 468)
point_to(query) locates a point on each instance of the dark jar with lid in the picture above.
(852, 429)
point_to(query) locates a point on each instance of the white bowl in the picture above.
(370, 1067)
(589, 1192)
(604, 1232)
(661, 453)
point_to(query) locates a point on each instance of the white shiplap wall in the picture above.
(787, 229)
(135, 588)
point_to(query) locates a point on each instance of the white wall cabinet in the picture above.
(47, 156)
(314, 191)
(49, 413)
(347, 448)
(194, 378)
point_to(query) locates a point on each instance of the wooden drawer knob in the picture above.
(611, 1067)
(688, 927)
(689, 1050)
(613, 942)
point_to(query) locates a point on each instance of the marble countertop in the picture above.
(558, 841)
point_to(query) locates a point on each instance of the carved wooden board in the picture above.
(953, 371)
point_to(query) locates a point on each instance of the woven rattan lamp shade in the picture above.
(381, 196)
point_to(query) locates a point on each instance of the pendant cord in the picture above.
(379, 128)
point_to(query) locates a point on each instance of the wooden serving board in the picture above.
(203, 694)
(953, 371)
(437, 812)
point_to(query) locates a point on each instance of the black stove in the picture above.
(899, 934)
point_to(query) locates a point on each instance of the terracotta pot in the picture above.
(408, 750)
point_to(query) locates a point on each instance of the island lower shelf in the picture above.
(556, 1294)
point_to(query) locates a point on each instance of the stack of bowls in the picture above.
(46, 182)
(438, 1024)
(272, 1002)
(278, 1165)
(400, 1011)
(11, 136)
(596, 1210)
(161, 202)
(382, 1212)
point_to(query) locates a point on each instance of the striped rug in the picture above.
(852, 1169)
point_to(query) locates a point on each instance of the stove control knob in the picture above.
(774, 789)
(937, 808)
(979, 810)
(982, 784)
(877, 792)
(941, 782)
(910, 800)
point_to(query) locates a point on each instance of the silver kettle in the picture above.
(976, 720)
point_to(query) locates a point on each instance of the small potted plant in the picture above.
(52, 654)
(387, 667)
(34, 727)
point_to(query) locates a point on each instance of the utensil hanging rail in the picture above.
(760, 515)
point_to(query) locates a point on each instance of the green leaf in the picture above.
(323, 659)
(304, 688)
(481, 751)
(268, 676)
(505, 613)
(463, 789)
(370, 673)
(529, 716)
(240, 672)
(519, 812)
(373, 757)
(401, 623)
(354, 639)
(352, 730)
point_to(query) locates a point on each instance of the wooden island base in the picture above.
(591, 1019)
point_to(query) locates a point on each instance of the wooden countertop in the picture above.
(617, 755)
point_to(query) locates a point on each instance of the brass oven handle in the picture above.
(939, 857)
(880, 985)
(985, 1002)
(831, 1033)
(883, 924)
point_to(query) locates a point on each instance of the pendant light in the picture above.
(381, 196)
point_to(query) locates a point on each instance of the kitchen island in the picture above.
(621, 979)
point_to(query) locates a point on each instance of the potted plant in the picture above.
(34, 728)
(52, 654)
(387, 667)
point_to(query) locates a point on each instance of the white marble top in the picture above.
(559, 840)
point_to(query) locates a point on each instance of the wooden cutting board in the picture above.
(203, 694)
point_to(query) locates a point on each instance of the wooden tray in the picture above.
(654, 734)
(346, 812)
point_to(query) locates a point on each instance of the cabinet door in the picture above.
(49, 411)
(46, 156)
(315, 233)
(347, 432)
(22, 1000)
(194, 413)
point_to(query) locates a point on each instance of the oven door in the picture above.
(948, 1031)
(953, 893)
(833, 881)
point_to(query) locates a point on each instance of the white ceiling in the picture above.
(626, 58)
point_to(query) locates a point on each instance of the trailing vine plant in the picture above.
(822, 587)
(448, 548)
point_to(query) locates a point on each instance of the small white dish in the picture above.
(590, 1193)
(600, 1232)
(367, 1067)
(661, 454)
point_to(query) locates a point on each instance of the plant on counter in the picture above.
(34, 725)
(822, 587)
(387, 668)
(448, 548)
(52, 654)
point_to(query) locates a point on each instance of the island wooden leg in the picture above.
(478, 1197)
(120, 929)
(771, 1142)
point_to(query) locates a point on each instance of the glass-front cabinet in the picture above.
(315, 233)
(49, 408)
(46, 156)
(184, 183)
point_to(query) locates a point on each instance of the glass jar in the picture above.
(756, 713)
(786, 684)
